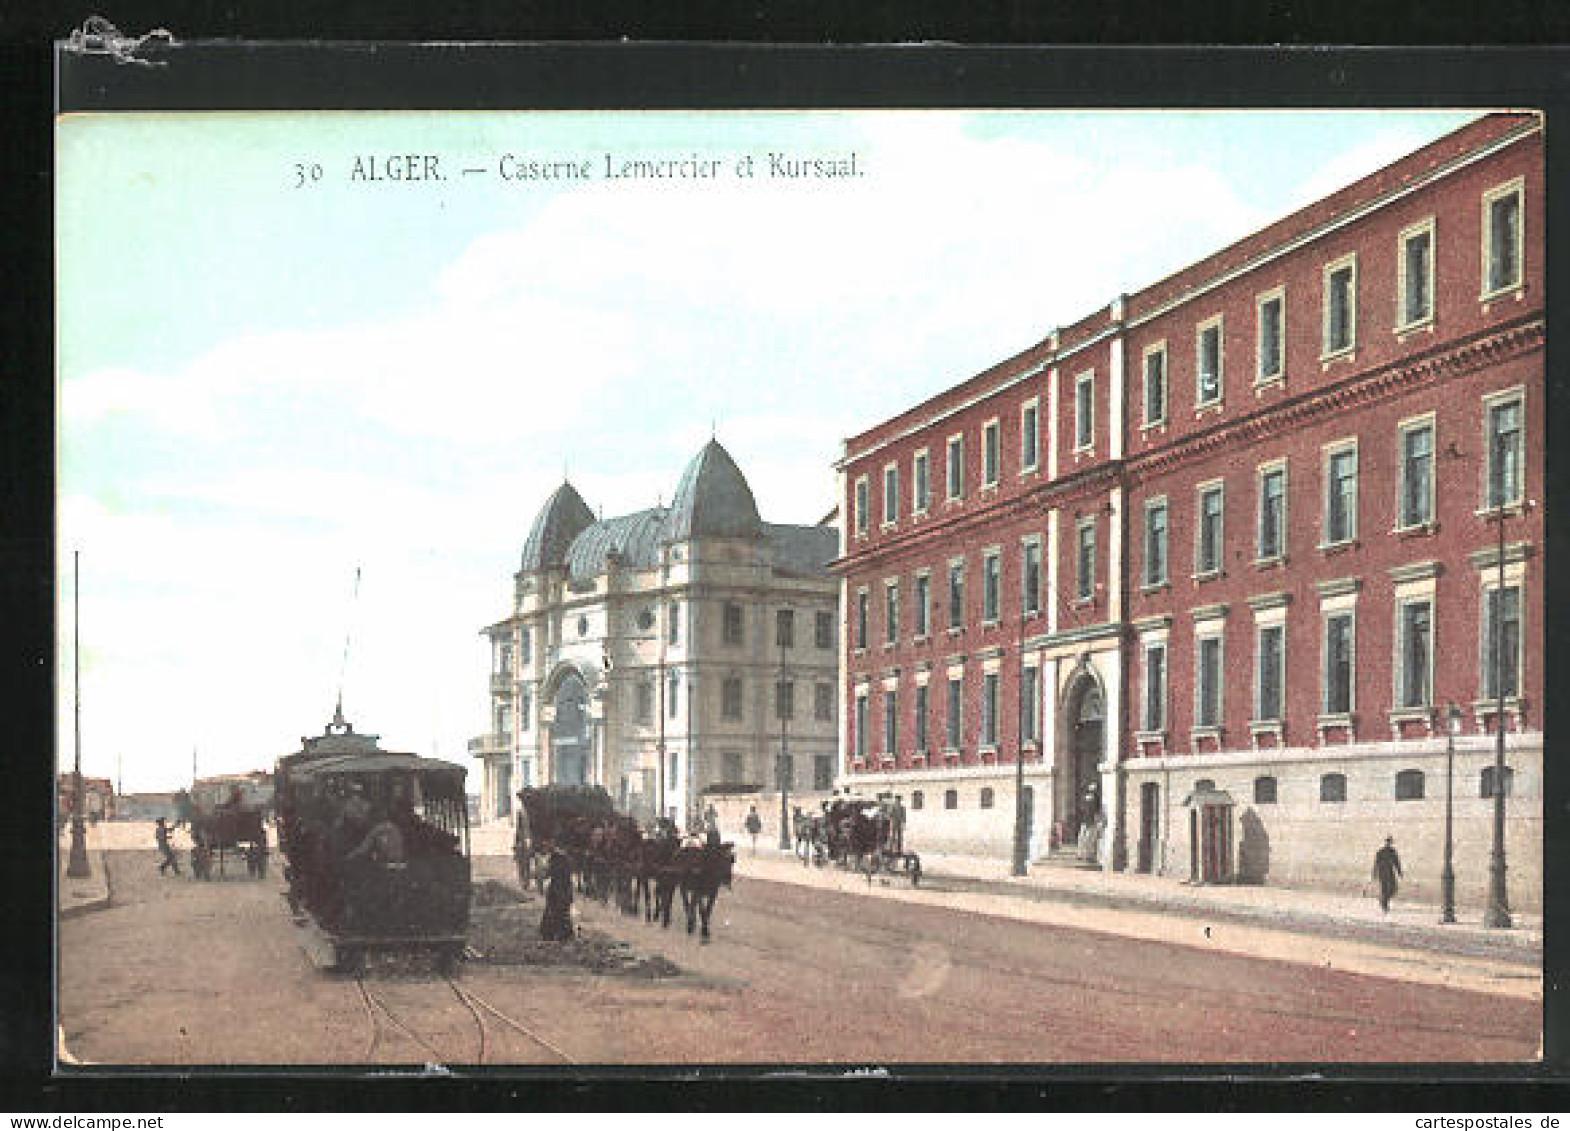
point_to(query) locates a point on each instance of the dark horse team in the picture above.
(574, 834)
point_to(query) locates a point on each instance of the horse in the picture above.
(702, 870)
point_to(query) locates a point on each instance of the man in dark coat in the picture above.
(170, 860)
(556, 923)
(1387, 868)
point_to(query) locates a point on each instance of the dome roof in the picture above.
(563, 517)
(713, 500)
(635, 537)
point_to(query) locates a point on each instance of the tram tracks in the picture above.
(384, 1020)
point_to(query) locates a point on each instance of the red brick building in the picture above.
(1221, 557)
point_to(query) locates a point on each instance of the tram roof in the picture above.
(379, 762)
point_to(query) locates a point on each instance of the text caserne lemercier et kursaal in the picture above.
(407, 168)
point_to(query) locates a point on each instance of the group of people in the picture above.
(255, 853)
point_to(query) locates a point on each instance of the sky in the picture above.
(273, 373)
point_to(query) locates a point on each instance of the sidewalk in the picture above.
(1297, 910)
(91, 892)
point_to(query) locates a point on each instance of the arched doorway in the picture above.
(570, 732)
(1079, 755)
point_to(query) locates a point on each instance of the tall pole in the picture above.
(1447, 877)
(784, 777)
(1021, 849)
(1498, 913)
(77, 866)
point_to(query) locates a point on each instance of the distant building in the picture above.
(1222, 560)
(98, 797)
(146, 807)
(697, 629)
(255, 788)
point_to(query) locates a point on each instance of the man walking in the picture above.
(754, 827)
(161, 831)
(1387, 868)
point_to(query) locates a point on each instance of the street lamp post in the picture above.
(77, 866)
(1447, 877)
(1498, 912)
(784, 760)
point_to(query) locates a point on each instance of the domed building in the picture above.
(662, 653)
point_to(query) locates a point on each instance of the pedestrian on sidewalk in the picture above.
(161, 831)
(556, 923)
(1387, 868)
(754, 826)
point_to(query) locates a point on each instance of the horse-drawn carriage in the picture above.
(233, 826)
(867, 836)
(609, 855)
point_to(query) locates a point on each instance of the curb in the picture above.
(100, 904)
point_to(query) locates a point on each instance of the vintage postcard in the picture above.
(852, 587)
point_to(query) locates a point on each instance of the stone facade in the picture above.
(1225, 551)
(669, 629)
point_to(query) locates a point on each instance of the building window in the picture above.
(1030, 705)
(1417, 473)
(955, 705)
(989, 454)
(1272, 339)
(859, 738)
(921, 718)
(1415, 271)
(733, 772)
(921, 486)
(1207, 687)
(923, 604)
(1340, 495)
(1030, 579)
(891, 612)
(956, 466)
(1155, 688)
(1264, 791)
(891, 721)
(1502, 239)
(784, 628)
(956, 595)
(1029, 437)
(823, 702)
(1409, 785)
(525, 710)
(732, 623)
(1156, 541)
(891, 493)
(730, 697)
(918, 799)
(1207, 364)
(990, 574)
(1486, 783)
(1156, 385)
(1340, 306)
(1085, 560)
(1339, 659)
(1270, 658)
(645, 703)
(1272, 511)
(1502, 417)
(989, 709)
(1416, 649)
(823, 630)
(1207, 542)
(823, 772)
(674, 688)
(951, 799)
(1501, 642)
(863, 491)
(1332, 788)
(1084, 411)
(861, 620)
(526, 646)
(987, 797)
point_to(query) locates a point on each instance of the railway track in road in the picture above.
(383, 1020)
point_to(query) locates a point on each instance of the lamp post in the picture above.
(77, 866)
(1498, 912)
(1447, 876)
(784, 759)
